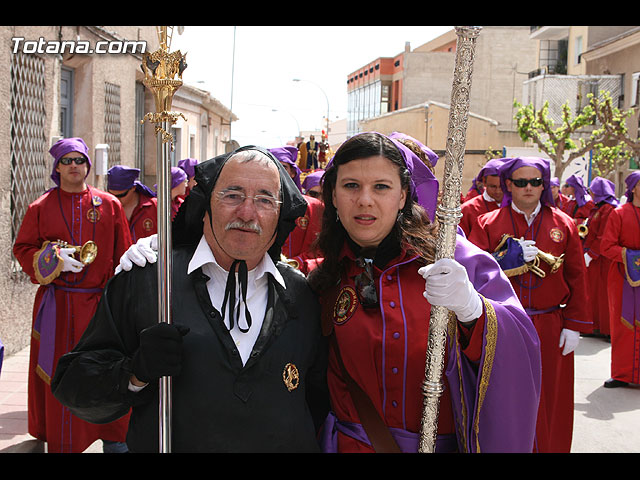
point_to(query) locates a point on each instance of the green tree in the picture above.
(599, 127)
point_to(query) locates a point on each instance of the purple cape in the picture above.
(581, 194)
(424, 185)
(631, 181)
(492, 167)
(288, 154)
(312, 180)
(603, 190)
(189, 166)
(496, 400)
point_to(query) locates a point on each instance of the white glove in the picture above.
(70, 264)
(569, 339)
(143, 251)
(529, 249)
(447, 284)
(587, 259)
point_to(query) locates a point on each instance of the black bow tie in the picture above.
(230, 294)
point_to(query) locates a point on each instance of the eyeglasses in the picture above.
(233, 198)
(365, 284)
(76, 160)
(522, 182)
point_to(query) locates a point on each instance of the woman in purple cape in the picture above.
(378, 235)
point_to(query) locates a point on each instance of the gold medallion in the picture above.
(290, 376)
(346, 304)
(147, 224)
(93, 215)
(556, 235)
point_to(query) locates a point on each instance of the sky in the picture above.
(254, 75)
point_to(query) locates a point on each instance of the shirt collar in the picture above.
(531, 217)
(487, 197)
(203, 255)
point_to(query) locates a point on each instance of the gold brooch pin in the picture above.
(290, 376)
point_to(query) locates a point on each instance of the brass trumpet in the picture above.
(583, 230)
(87, 253)
(553, 261)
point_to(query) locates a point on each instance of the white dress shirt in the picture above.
(531, 218)
(257, 293)
(488, 197)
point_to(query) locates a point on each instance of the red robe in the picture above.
(472, 209)
(561, 201)
(74, 218)
(579, 214)
(598, 269)
(144, 218)
(383, 349)
(297, 246)
(555, 233)
(622, 231)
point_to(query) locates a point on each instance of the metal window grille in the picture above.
(28, 150)
(112, 121)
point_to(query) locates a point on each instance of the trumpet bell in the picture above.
(88, 252)
(583, 230)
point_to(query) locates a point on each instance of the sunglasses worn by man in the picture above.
(522, 182)
(76, 160)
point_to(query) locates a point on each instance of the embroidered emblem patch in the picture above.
(346, 304)
(302, 222)
(93, 215)
(290, 376)
(147, 224)
(556, 235)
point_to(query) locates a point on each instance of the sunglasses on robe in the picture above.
(522, 182)
(76, 160)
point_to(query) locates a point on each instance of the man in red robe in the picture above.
(490, 198)
(580, 204)
(559, 198)
(621, 244)
(139, 201)
(603, 194)
(298, 246)
(557, 302)
(69, 291)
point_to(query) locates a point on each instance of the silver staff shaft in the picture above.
(448, 214)
(164, 275)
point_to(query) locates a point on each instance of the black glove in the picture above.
(160, 352)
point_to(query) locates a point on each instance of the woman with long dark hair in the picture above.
(376, 285)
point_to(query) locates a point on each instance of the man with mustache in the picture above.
(244, 348)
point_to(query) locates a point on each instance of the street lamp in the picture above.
(325, 96)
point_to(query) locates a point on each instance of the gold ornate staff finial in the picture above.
(163, 76)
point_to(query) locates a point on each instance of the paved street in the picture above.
(606, 420)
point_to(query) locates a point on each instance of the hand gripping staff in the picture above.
(448, 214)
(163, 76)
